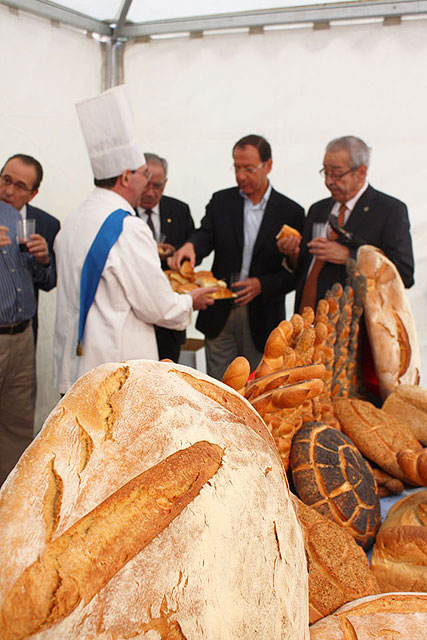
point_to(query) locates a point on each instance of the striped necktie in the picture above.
(149, 213)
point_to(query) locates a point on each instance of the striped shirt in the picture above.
(18, 271)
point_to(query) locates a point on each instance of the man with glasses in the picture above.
(240, 226)
(371, 217)
(20, 180)
(171, 224)
(111, 288)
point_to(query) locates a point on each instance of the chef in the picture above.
(111, 288)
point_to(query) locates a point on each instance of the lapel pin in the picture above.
(169, 220)
(366, 209)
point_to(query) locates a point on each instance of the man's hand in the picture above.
(4, 238)
(246, 290)
(200, 299)
(165, 250)
(329, 250)
(290, 246)
(37, 247)
(183, 253)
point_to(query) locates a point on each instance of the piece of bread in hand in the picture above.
(286, 231)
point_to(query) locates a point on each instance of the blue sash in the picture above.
(94, 264)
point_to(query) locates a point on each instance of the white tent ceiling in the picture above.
(129, 19)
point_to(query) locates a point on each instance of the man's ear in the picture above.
(33, 195)
(269, 165)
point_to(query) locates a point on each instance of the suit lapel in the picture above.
(361, 210)
(236, 213)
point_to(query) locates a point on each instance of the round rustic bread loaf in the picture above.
(338, 567)
(391, 616)
(330, 474)
(153, 504)
(399, 557)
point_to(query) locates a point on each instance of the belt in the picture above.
(15, 328)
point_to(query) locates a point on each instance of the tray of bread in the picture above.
(186, 280)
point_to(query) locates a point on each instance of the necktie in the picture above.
(309, 293)
(150, 223)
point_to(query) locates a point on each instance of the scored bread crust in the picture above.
(219, 569)
(399, 557)
(387, 615)
(390, 324)
(377, 434)
(338, 567)
(408, 403)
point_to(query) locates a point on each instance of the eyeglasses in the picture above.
(248, 171)
(156, 186)
(146, 173)
(335, 175)
(19, 186)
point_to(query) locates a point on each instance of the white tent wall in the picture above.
(45, 70)
(193, 98)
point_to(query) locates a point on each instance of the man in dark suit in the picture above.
(171, 224)
(240, 226)
(20, 180)
(370, 216)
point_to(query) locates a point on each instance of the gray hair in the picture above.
(153, 158)
(358, 150)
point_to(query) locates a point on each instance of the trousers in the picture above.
(17, 397)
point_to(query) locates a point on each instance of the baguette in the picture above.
(287, 397)
(78, 564)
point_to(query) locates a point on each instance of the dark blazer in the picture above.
(175, 221)
(377, 219)
(177, 225)
(221, 231)
(47, 226)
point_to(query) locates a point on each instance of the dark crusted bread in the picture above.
(330, 474)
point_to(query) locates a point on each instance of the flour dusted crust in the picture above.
(395, 616)
(389, 321)
(399, 558)
(229, 565)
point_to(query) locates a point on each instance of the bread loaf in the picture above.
(128, 517)
(377, 434)
(389, 321)
(237, 373)
(414, 465)
(338, 568)
(286, 231)
(392, 616)
(399, 557)
(330, 475)
(408, 403)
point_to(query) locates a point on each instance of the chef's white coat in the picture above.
(133, 293)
